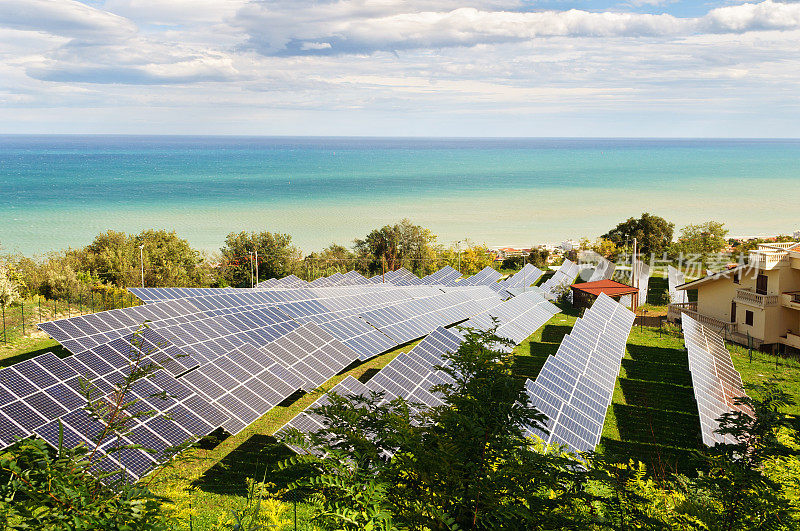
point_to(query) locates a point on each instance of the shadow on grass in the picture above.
(658, 395)
(554, 333)
(369, 373)
(657, 354)
(657, 427)
(256, 458)
(56, 349)
(529, 366)
(657, 372)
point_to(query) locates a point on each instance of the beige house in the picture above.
(760, 299)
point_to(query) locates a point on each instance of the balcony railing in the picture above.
(791, 299)
(792, 339)
(752, 298)
(676, 310)
(766, 259)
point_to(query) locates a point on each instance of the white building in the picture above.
(796, 235)
(569, 245)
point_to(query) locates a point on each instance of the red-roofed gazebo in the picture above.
(584, 293)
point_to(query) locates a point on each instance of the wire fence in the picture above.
(21, 318)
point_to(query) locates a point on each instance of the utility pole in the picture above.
(256, 266)
(141, 261)
(458, 247)
(251, 268)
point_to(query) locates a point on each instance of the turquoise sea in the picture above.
(60, 191)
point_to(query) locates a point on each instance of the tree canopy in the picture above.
(277, 256)
(400, 245)
(701, 240)
(653, 233)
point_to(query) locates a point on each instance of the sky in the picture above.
(587, 68)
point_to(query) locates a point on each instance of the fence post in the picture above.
(22, 312)
(92, 301)
(40, 309)
(5, 339)
(80, 304)
(68, 316)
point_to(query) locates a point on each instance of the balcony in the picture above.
(751, 298)
(791, 299)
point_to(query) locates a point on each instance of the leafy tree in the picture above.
(400, 245)
(469, 259)
(701, 240)
(348, 459)
(333, 258)
(653, 234)
(277, 257)
(468, 463)
(603, 247)
(8, 288)
(538, 257)
(168, 259)
(116, 259)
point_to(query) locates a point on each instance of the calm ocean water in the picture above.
(59, 191)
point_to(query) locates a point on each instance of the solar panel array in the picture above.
(674, 279)
(446, 276)
(485, 277)
(230, 355)
(516, 318)
(574, 388)
(565, 275)
(411, 320)
(413, 375)
(38, 392)
(715, 380)
(148, 295)
(291, 281)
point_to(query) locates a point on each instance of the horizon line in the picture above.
(403, 137)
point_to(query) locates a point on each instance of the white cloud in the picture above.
(350, 27)
(68, 18)
(277, 67)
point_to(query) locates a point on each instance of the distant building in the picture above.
(796, 235)
(759, 300)
(511, 252)
(569, 245)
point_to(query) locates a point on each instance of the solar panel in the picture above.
(485, 277)
(674, 279)
(525, 277)
(516, 318)
(446, 276)
(715, 380)
(410, 320)
(604, 269)
(574, 388)
(561, 279)
(413, 375)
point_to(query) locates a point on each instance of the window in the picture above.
(748, 318)
(761, 284)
